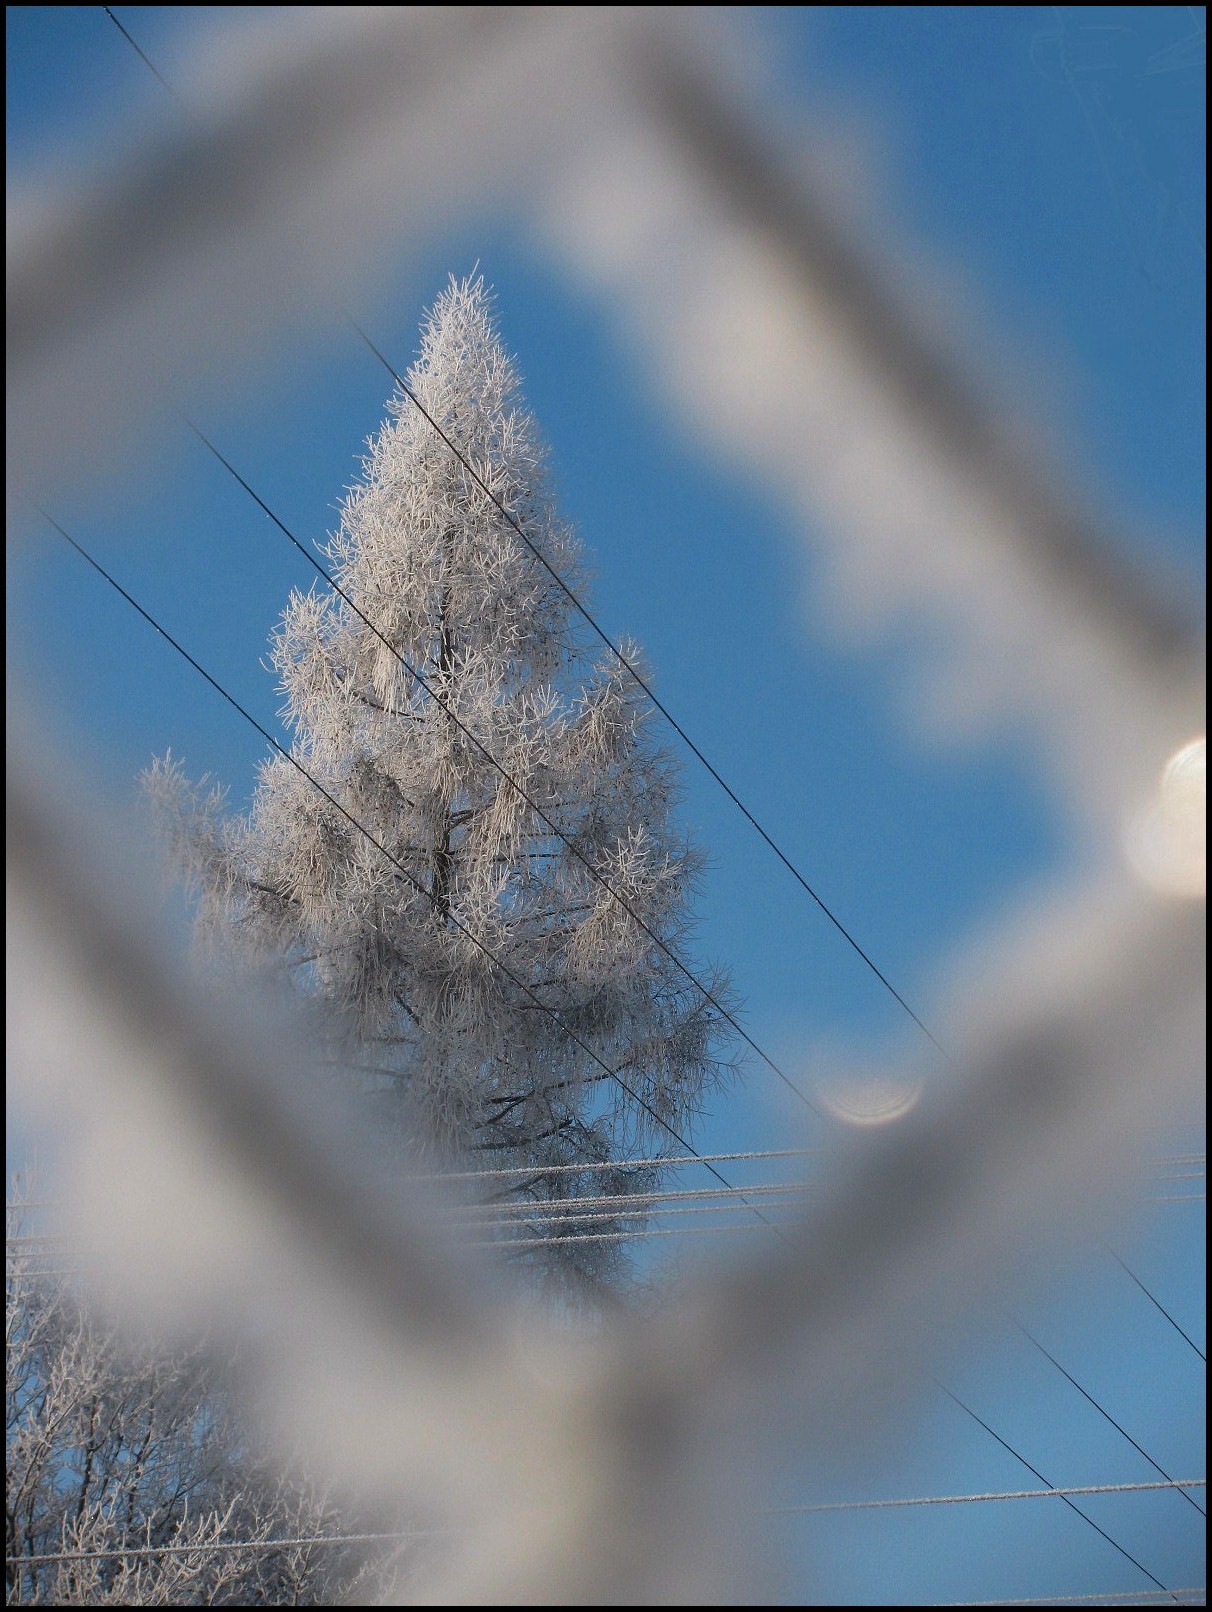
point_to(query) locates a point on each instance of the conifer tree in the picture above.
(477, 1069)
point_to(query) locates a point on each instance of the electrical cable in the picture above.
(1105, 1414)
(137, 1551)
(970, 1499)
(1154, 1301)
(665, 1161)
(1109, 1598)
(144, 57)
(1127, 1554)
(554, 1211)
(622, 1164)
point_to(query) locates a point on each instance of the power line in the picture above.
(453, 715)
(521, 1205)
(579, 1221)
(549, 1211)
(1111, 1598)
(623, 1164)
(527, 1206)
(610, 1206)
(664, 1161)
(518, 1206)
(619, 1205)
(548, 1239)
(514, 1208)
(639, 1163)
(1156, 1302)
(1102, 1411)
(417, 885)
(144, 57)
(563, 1211)
(510, 1172)
(138, 1551)
(43, 1275)
(1064, 1498)
(522, 1219)
(971, 1499)
(644, 1234)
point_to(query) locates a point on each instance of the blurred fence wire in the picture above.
(560, 1465)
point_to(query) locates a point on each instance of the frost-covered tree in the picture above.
(129, 1474)
(453, 593)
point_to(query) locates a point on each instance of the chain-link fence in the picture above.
(569, 1465)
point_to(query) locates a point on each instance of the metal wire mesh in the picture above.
(573, 1463)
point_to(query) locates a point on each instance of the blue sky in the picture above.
(1053, 159)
